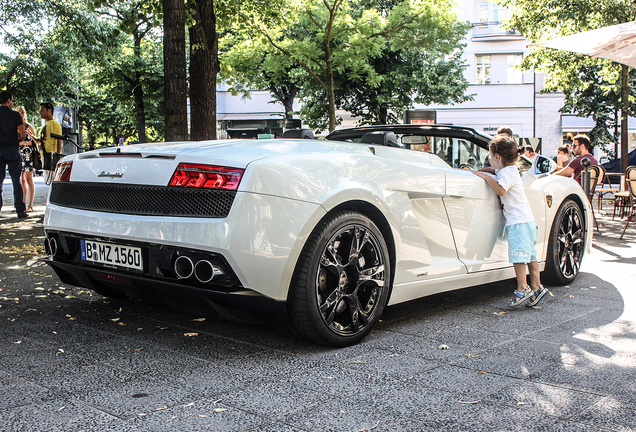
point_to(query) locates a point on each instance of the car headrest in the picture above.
(382, 138)
(299, 133)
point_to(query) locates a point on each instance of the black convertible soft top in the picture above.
(439, 130)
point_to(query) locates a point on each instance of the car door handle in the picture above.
(456, 196)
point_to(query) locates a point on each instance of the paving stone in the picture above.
(542, 398)
(201, 415)
(471, 385)
(134, 398)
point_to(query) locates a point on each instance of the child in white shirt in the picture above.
(520, 226)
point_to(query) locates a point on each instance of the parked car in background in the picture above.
(318, 236)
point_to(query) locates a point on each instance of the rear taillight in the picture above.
(63, 172)
(206, 176)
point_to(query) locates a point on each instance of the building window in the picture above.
(483, 11)
(515, 75)
(483, 69)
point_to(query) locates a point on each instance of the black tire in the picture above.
(341, 282)
(566, 245)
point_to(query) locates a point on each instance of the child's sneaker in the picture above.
(521, 297)
(538, 295)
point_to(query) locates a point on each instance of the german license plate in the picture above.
(112, 255)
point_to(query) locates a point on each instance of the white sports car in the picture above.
(317, 235)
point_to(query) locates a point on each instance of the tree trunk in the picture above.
(175, 91)
(140, 109)
(138, 92)
(384, 114)
(204, 67)
(288, 102)
(624, 114)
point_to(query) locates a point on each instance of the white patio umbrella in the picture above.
(616, 43)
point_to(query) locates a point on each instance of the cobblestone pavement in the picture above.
(71, 360)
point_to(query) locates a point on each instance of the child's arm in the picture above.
(496, 187)
(490, 170)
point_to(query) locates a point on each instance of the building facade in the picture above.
(503, 94)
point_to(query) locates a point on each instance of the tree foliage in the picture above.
(333, 46)
(76, 56)
(590, 87)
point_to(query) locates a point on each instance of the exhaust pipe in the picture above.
(50, 246)
(183, 267)
(204, 271)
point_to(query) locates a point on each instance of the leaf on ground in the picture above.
(115, 319)
(472, 355)
(480, 373)
(191, 334)
(364, 429)
(355, 362)
(218, 410)
(500, 313)
(199, 319)
(520, 403)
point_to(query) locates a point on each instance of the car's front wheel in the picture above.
(341, 281)
(566, 245)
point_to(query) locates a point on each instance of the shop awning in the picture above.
(570, 123)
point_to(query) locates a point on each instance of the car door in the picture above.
(476, 220)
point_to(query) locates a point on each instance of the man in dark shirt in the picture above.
(11, 133)
(581, 147)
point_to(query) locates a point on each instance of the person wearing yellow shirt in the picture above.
(46, 142)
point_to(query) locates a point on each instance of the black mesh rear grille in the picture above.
(143, 200)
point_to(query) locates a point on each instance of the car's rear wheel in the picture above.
(566, 245)
(341, 281)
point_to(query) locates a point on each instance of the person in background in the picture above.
(46, 142)
(503, 130)
(528, 152)
(563, 156)
(581, 146)
(11, 133)
(26, 147)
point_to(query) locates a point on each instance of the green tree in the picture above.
(541, 20)
(175, 77)
(335, 38)
(134, 18)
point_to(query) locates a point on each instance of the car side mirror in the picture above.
(543, 165)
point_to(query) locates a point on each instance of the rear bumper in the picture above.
(223, 297)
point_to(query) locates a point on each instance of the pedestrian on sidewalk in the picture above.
(47, 143)
(26, 149)
(521, 228)
(11, 133)
(581, 147)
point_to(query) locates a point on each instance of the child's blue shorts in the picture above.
(522, 242)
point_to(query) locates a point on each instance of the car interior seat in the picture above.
(382, 138)
(299, 133)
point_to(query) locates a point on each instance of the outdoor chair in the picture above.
(595, 176)
(604, 187)
(623, 201)
(630, 183)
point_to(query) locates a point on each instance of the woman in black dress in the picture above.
(26, 147)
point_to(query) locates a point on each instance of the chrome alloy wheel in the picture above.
(571, 242)
(350, 280)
